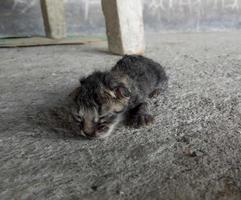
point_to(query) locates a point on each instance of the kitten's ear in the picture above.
(118, 92)
(122, 92)
(116, 86)
(82, 80)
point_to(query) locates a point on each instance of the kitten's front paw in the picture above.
(139, 120)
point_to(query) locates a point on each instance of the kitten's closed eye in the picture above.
(107, 118)
(119, 111)
(77, 118)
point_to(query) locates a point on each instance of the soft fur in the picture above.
(106, 98)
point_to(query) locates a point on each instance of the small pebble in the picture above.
(94, 187)
(189, 152)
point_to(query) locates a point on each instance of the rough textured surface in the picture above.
(191, 152)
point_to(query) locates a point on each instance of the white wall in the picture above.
(23, 17)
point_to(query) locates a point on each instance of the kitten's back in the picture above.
(146, 74)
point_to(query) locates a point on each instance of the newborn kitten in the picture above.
(106, 98)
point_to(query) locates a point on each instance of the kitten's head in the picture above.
(101, 99)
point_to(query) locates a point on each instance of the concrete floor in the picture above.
(193, 151)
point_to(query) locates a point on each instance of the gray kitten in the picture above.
(106, 98)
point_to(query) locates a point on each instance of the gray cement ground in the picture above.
(191, 152)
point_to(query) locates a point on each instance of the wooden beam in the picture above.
(124, 26)
(54, 18)
(43, 41)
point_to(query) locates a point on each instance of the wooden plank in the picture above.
(124, 26)
(54, 18)
(42, 41)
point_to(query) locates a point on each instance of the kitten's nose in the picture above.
(89, 133)
(88, 128)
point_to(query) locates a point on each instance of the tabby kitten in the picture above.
(104, 99)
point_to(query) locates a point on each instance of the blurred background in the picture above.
(21, 18)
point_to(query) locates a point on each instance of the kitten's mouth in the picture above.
(100, 131)
(102, 128)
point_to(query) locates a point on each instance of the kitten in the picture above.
(106, 98)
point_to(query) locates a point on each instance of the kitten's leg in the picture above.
(139, 116)
(155, 93)
(160, 88)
